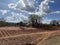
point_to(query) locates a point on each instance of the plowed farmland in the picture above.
(28, 36)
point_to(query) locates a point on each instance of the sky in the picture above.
(19, 10)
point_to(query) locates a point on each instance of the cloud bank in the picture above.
(25, 5)
(16, 17)
(44, 7)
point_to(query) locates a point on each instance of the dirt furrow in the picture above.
(6, 33)
(1, 34)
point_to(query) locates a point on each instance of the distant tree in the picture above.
(21, 23)
(54, 23)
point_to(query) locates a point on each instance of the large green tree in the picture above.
(35, 19)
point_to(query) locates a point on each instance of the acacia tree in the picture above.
(35, 19)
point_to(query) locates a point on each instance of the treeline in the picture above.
(2, 23)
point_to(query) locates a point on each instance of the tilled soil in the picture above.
(32, 36)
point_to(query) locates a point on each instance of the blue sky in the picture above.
(19, 10)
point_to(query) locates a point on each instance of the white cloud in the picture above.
(26, 5)
(44, 7)
(55, 12)
(16, 17)
(46, 21)
(12, 5)
(4, 11)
